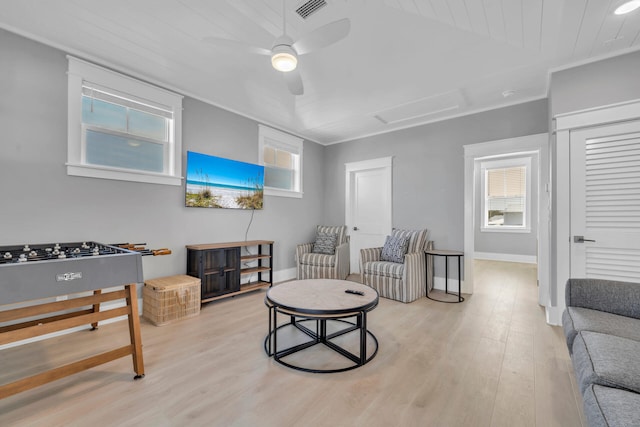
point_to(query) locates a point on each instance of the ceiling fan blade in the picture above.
(294, 82)
(323, 36)
(236, 45)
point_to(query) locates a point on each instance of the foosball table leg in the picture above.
(134, 331)
(96, 309)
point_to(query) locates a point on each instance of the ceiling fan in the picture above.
(285, 51)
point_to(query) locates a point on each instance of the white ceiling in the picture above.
(405, 62)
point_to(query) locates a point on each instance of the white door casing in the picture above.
(538, 143)
(605, 202)
(368, 205)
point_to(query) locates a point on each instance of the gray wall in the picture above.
(508, 243)
(41, 204)
(428, 167)
(593, 85)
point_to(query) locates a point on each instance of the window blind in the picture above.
(95, 91)
(507, 182)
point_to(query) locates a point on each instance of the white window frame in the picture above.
(283, 141)
(81, 71)
(504, 164)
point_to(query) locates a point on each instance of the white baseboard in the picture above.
(278, 276)
(554, 316)
(284, 275)
(528, 259)
(439, 284)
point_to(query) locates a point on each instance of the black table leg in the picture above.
(275, 332)
(459, 282)
(446, 275)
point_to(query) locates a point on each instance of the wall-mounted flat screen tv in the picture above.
(214, 182)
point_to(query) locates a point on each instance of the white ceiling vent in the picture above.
(310, 7)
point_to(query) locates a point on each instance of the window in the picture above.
(121, 128)
(507, 199)
(281, 155)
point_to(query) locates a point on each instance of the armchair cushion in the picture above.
(394, 249)
(325, 243)
(384, 269)
(321, 260)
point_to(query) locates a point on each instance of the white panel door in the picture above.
(368, 206)
(605, 202)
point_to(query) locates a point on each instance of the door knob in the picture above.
(581, 239)
(355, 228)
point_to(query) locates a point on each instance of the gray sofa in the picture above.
(602, 328)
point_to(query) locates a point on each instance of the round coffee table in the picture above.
(320, 302)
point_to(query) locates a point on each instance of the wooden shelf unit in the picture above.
(220, 267)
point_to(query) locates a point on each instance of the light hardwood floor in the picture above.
(489, 361)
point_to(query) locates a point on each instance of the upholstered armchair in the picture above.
(327, 257)
(397, 270)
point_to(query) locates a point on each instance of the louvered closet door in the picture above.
(605, 202)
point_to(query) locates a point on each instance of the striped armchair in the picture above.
(322, 266)
(404, 282)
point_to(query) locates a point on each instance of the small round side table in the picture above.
(446, 254)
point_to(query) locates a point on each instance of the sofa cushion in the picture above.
(320, 260)
(325, 243)
(605, 295)
(606, 360)
(394, 249)
(576, 319)
(384, 268)
(608, 407)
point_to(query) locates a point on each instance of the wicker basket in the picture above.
(171, 298)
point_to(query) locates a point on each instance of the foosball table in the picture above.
(61, 286)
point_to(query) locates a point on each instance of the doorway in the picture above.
(538, 144)
(368, 205)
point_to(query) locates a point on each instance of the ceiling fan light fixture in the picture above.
(627, 7)
(284, 58)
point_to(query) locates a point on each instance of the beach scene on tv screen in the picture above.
(214, 182)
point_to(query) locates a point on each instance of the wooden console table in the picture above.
(220, 267)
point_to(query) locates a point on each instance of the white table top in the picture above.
(322, 296)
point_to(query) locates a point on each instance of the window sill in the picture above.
(504, 230)
(268, 191)
(122, 175)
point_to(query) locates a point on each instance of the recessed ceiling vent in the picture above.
(310, 7)
(422, 108)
